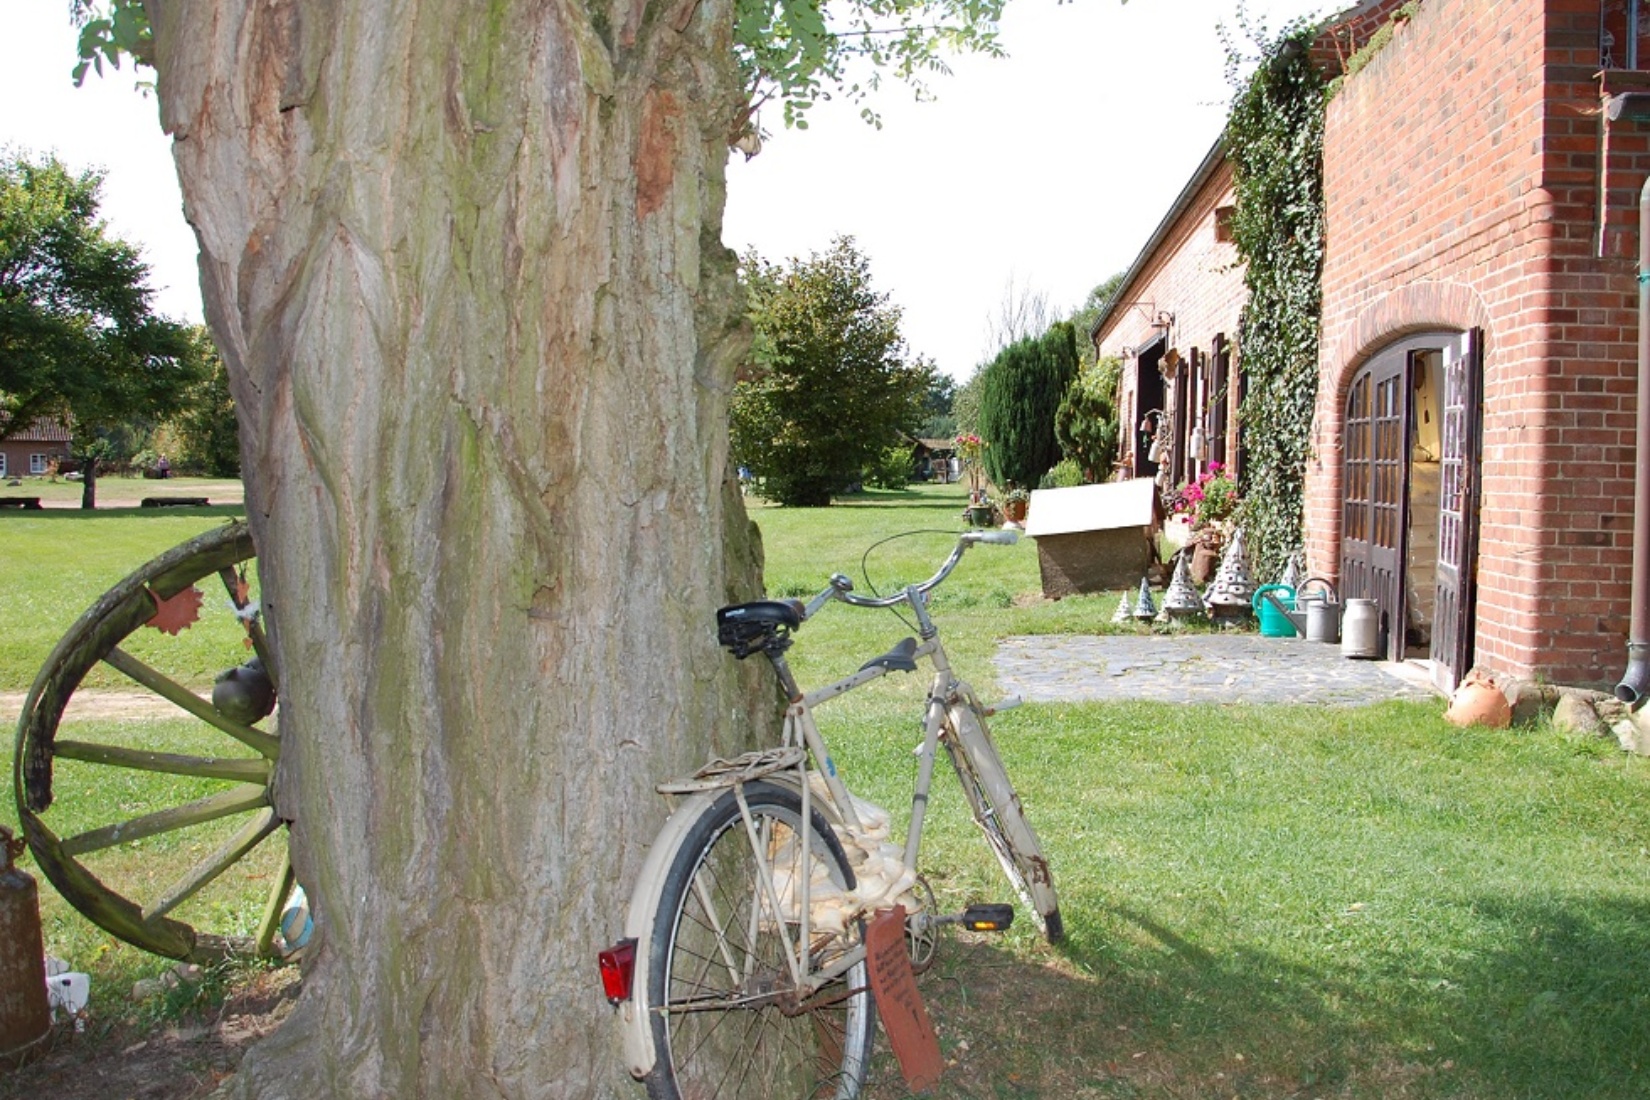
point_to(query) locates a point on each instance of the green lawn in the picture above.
(1260, 901)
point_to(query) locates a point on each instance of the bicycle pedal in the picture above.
(987, 918)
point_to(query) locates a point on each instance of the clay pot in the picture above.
(1478, 702)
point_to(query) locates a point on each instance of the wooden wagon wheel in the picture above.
(213, 806)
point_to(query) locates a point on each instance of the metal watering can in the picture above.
(1316, 617)
(1322, 612)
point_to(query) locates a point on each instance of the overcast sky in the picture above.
(1047, 170)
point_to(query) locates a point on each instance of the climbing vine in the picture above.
(1274, 139)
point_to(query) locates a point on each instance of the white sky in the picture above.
(1049, 168)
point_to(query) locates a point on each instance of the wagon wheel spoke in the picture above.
(235, 584)
(224, 804)
(162, 685)
(274, 905)
(168, 830)
(240, 770)
(228, 853)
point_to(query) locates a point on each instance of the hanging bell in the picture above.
(25, 1014)
(245, 694)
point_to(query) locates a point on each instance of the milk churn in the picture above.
(24, 1015)
(1361, 630)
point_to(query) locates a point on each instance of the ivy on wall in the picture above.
(1274, 140)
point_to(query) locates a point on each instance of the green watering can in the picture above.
(1274, 611)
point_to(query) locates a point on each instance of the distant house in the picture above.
(34, 450)
(1473, 461)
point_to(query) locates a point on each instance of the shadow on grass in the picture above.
(1548, 1002)
(69, 515)
(932, 498)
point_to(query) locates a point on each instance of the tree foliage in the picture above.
(207, 432)
(1274, 137)
(1020, 392)
(831, 387)
(1083, 318)
(938, 407)
(1086, 422)
(78, 340)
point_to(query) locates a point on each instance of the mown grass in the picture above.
(1260, 902)
(55, 563)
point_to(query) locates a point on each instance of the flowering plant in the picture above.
(971, 449)
(1211, 499)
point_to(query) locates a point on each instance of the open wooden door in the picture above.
(1376, 503)
(1461, 424)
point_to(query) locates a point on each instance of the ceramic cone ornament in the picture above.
(1233, 588)
(1181, 601)
(1292, 572)
(1124, 612)
(1145, 608)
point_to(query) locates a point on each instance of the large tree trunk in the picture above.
(464, 262)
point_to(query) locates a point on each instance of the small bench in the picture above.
(32, 503)
(173, 502)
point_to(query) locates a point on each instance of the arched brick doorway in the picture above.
(1409, 500)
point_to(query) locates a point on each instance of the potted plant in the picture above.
(1015, 504)
(1210, 504)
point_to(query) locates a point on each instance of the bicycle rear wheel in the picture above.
(997, 811)
(727, 1019)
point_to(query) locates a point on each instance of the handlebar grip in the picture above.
(1003, 538)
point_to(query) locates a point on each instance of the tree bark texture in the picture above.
(464, 262)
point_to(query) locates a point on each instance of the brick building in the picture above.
(1473, 441)
(33, 450)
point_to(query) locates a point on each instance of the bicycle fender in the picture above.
(635, 1014)
(644, 906)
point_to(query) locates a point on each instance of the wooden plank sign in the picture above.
(904, 1016)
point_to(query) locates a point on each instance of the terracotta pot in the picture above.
(1205, 563)
(1479, 702)
(1015, 510)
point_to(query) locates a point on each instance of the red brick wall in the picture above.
(1464, 182)
(1191, 275)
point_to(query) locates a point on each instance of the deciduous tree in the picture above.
(463, 261)
(831, 387)
(79, 341)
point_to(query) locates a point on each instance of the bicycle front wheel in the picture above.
(728, 1019)
(997, 811)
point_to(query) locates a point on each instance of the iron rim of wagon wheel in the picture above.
(236, 816)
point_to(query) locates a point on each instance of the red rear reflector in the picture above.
(618, 965)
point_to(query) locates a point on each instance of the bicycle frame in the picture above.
(800, 740)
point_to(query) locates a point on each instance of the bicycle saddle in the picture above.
(747, 628)
(898, 659)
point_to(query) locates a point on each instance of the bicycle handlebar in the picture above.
(842, 588)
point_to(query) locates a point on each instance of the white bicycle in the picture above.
(743, 971)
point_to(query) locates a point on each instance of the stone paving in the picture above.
(1199, 668)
